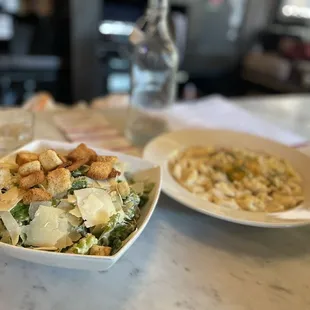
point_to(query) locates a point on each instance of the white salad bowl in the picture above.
(141, 170)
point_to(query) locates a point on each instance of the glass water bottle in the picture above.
(153, 75)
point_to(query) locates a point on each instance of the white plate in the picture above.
(142, 169)
(162, 148)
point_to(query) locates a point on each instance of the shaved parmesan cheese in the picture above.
(91, 182)
(48, 228)
(117, 200)
(107, 185)
(63, 242)
(71, 199)
(34, 206)
(11, 198)
(12, 226)
(65, 205)
(61, 195)
(103, 184)
(75, 236)
(95, 206)
(6, 238)
(98, 229)
(76, 212)
(93, 211)
(73, 220)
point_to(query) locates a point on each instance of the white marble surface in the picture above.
(183, 260)
(288, 111)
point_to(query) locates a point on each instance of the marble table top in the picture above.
(183, 260)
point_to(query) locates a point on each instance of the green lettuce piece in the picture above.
(76, 173)
(80, 172)
(21, 213)
(116, 245)
(131, 211)
(77, 184)
(119, 234)
(83, 245)
(122, 231)
(131, 204)
(132, 200)
(104, 237)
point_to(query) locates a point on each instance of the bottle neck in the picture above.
(157, 13)
(158, 4)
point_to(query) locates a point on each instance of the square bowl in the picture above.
(141, 170)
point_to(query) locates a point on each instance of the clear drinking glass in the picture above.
(153, 75)
(16, 129)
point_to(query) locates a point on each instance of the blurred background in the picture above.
(78, 50)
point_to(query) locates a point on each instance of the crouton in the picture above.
(25, 157)
(65, 164)
(92, 156)
(58, 181)
(99, 170)
(32, 180)
(62, 157)
(36, 194)
(82, 152)
(49, 160)
(114, 173)
(28, 168)
(100, 250)
(78, 164)
(106, 159)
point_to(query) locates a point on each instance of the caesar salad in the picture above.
(75, 203)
